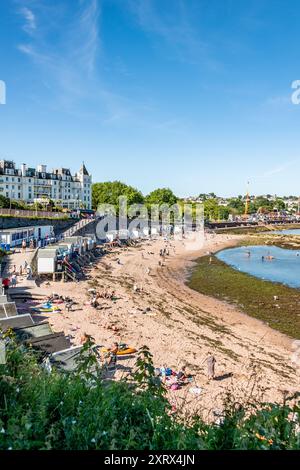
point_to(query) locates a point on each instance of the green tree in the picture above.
(237, 204)
(223, 213)
(262, 202)
(211, 209)
(279, 204)
(162, 196)
(110, 191)
(4, 202)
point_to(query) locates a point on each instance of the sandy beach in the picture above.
(154, 307)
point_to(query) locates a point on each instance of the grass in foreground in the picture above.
(252, 295)
(41, 410)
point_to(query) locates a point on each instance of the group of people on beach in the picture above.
(11, 280)
(96, 296)
(182, 377)
(269, 257)
(175, 381)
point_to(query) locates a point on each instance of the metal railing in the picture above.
(34, 213)
(72, 230)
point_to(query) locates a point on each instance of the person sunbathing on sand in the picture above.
(113, 351)
(85, 338)
(182, 375)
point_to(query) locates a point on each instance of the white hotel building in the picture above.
(34, 185)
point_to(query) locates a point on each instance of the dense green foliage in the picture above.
(41, 410)
(161, 196)
(214, 207)
(213, 211)
(4, 202)
(260, 203)
(110, 191)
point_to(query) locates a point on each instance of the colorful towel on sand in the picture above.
(46, 308)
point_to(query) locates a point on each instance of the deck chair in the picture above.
(18, 321)
(10, 309)
(2, 311)
(34, 331)
(64, 360)
(50, 343)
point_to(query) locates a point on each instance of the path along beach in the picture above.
(180, 326)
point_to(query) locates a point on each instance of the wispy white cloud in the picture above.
(26, 49)
(86, 29)
(79, 43)
(29, 18)
(67, 57)
(174, 27)
(68, 52)
(276, 170)
(279, 169)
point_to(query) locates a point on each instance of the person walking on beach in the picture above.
(113, 351)
(211, 361)
(29, 273)
(24, 246)
(14, 280)
(5, 285)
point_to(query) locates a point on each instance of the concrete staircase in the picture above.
(77, 228)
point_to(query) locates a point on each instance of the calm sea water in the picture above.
(294, 231)
(284, 268)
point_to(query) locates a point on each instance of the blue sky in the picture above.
(190, 94)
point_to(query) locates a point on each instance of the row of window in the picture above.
(21, 235)
(12, 187)
(67, 184)
(43, 182)
(68, 197)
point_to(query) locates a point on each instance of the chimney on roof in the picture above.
(42, 168)
(23, 169)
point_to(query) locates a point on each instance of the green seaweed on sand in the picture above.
(252, 295)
